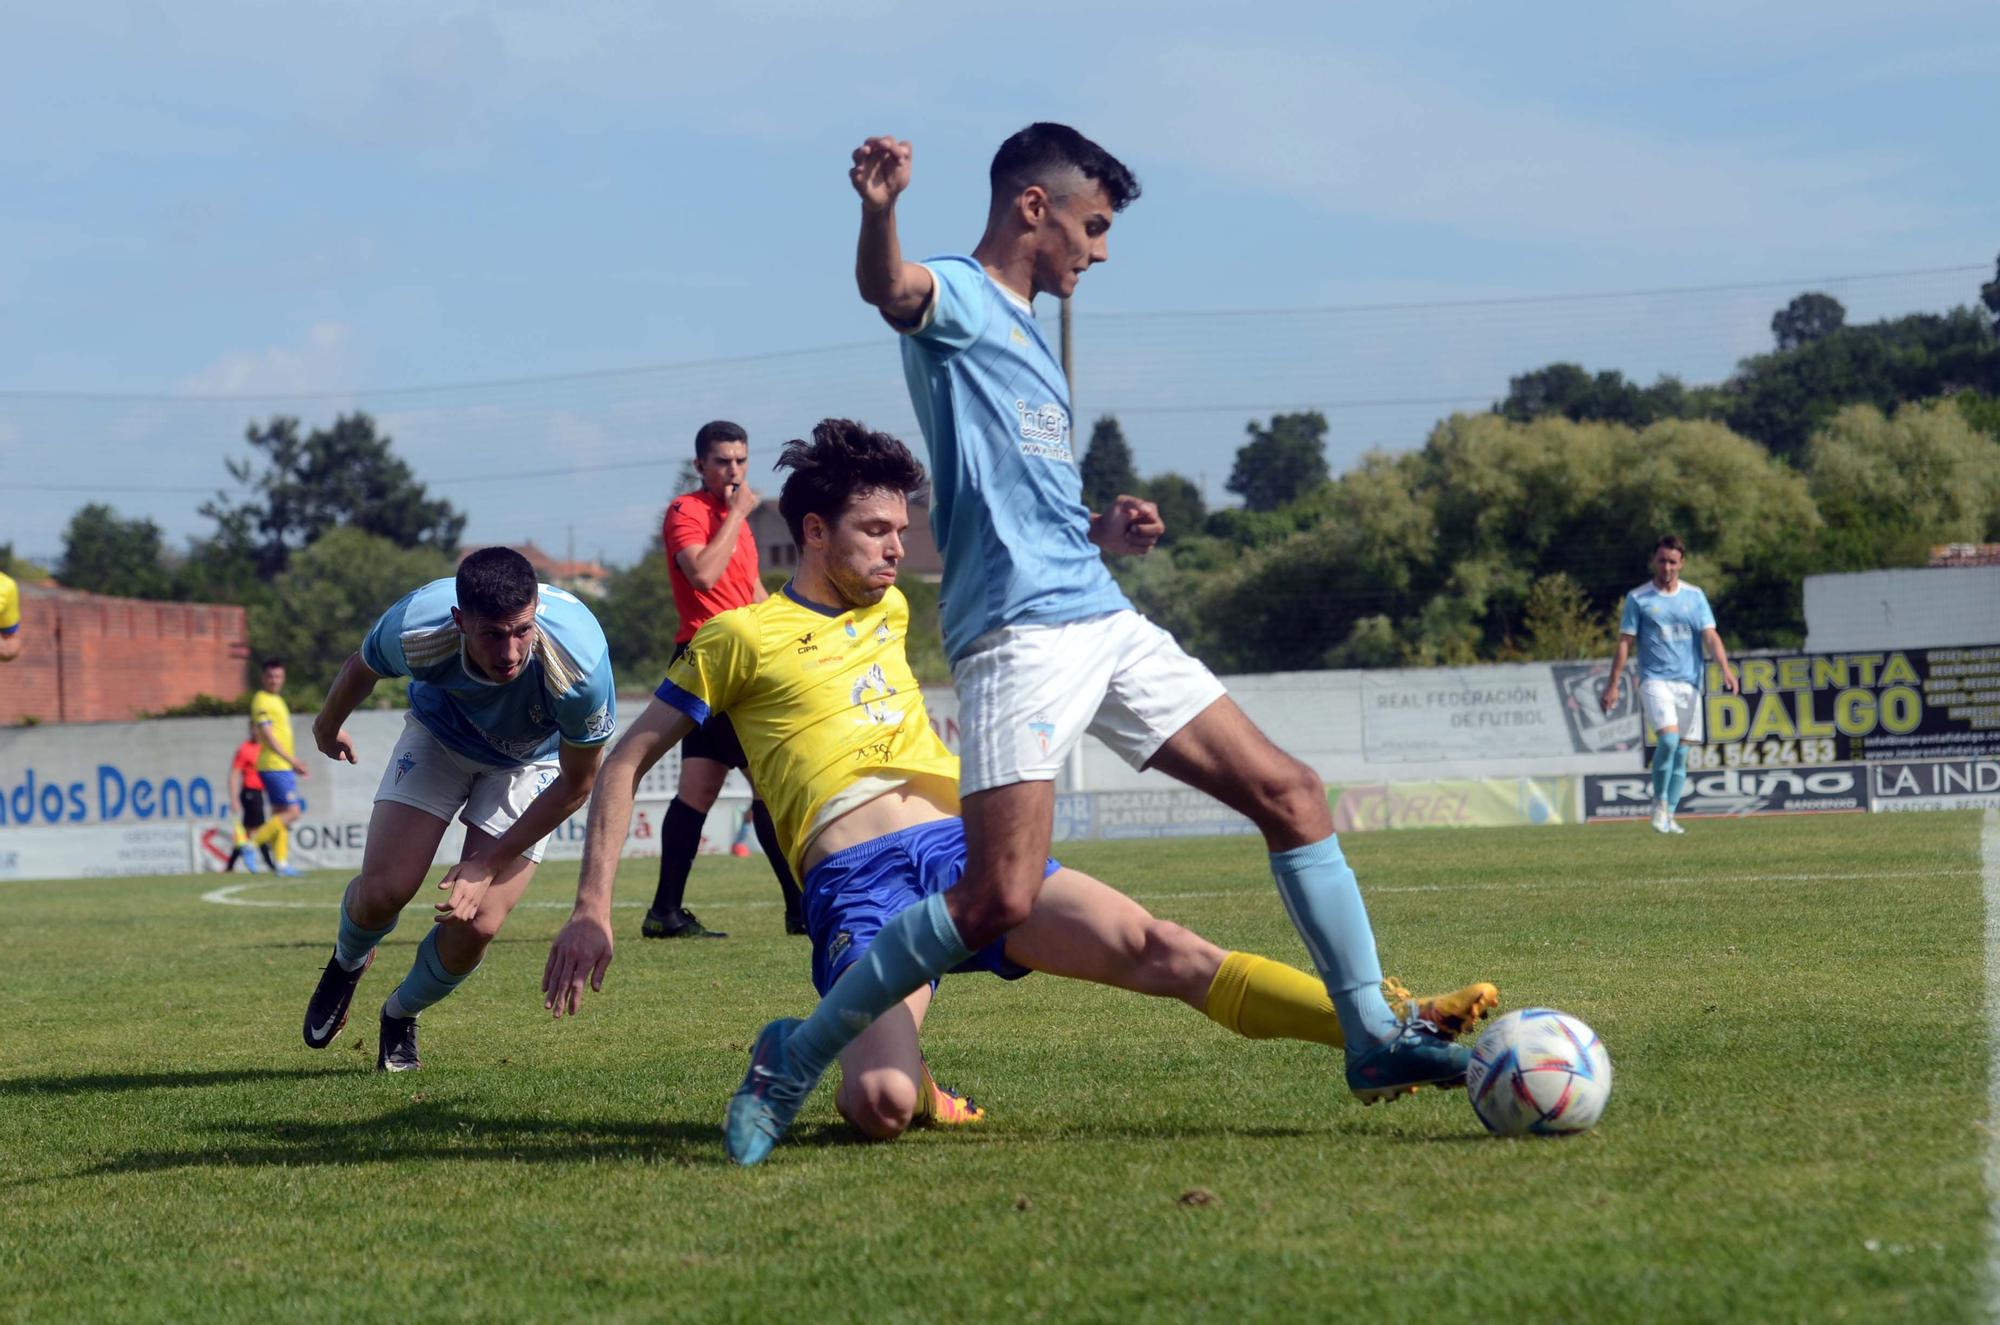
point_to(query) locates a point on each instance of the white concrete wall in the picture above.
(1921, 608)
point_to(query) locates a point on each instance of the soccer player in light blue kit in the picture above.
(1043, 644)
(1670, 621)
(510, 708)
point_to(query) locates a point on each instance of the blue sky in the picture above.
(217, 212)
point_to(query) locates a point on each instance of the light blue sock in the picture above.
(426, 983)
(353, 943)
(1326, 908)
(1677, 781)
(917, 946)
(1663, 764)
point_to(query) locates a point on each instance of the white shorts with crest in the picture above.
(424, 773)
(1672, 704)
(1028, 693)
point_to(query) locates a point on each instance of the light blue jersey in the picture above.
(1668, 627)
(1006, 498)
(564, 695)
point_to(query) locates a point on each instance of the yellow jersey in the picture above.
(267, 709)
(824, 703)
(10, 605)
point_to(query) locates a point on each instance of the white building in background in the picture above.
(1953, 601)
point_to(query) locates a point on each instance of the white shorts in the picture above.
(1028, 693)
(1672, 704)
(424, 773)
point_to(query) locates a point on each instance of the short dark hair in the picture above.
(496, 582)
(842, 461)
(273, 661)
(1672, 541)
(1044, 149)
(722, 430)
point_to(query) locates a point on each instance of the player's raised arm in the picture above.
(899, 289)
(582, 951)
(1130, 526)
(352, 684)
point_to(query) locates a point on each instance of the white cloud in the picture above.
(1370, 137)
(322, 362)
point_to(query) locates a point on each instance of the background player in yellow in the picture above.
(280, 772)
(864, 797)
(10, 618)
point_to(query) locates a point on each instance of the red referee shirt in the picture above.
(692, 519)
(246, 762)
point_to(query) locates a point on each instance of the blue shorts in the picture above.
(281, 788)
(853, 893)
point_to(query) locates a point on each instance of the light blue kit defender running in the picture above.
(564, 693)
(994, 407)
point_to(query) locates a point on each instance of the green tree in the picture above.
(105, 553)
(1280, 463)
(1298, 603)
(1560, 623)
(1568, 390)
(1890, 488)
(323, 604)
(1781, 399)
(1981, 410)
(1181, 506)
(346, 475)
(1808, 318)
(1106, 467)
(19, 567)
(1989, 294)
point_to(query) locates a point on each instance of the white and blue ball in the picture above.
(1538, 1072)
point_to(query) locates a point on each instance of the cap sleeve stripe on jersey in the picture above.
(691, 705)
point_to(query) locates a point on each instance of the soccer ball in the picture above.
(1538, 1071)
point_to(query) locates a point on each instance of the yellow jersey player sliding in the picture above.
(865, 799)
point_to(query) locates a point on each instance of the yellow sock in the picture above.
(264, 835)
(281, 845)
(241, 836)
(1265, 1000)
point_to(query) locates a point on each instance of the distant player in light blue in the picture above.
(510, 708)
(1670, 621)
(1043, 645)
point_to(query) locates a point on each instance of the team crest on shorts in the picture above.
(1044, 731)
(841, 943)
(404, 765)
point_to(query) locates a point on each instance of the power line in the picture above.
(641, 370)
(1501, 301)
(655, 462)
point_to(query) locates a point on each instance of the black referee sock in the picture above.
(767, 838)
(680, 839)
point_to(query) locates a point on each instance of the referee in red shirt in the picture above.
(712, 562)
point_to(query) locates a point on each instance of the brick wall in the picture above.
(87, 658)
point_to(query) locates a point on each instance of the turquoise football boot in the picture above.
(769, 1098)
(1418, 1055)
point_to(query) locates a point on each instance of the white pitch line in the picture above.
(230, 894)
(1989, 853)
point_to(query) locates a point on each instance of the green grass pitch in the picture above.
(1795, 1007)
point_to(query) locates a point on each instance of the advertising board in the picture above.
(1815, 709)
(1838, 788)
